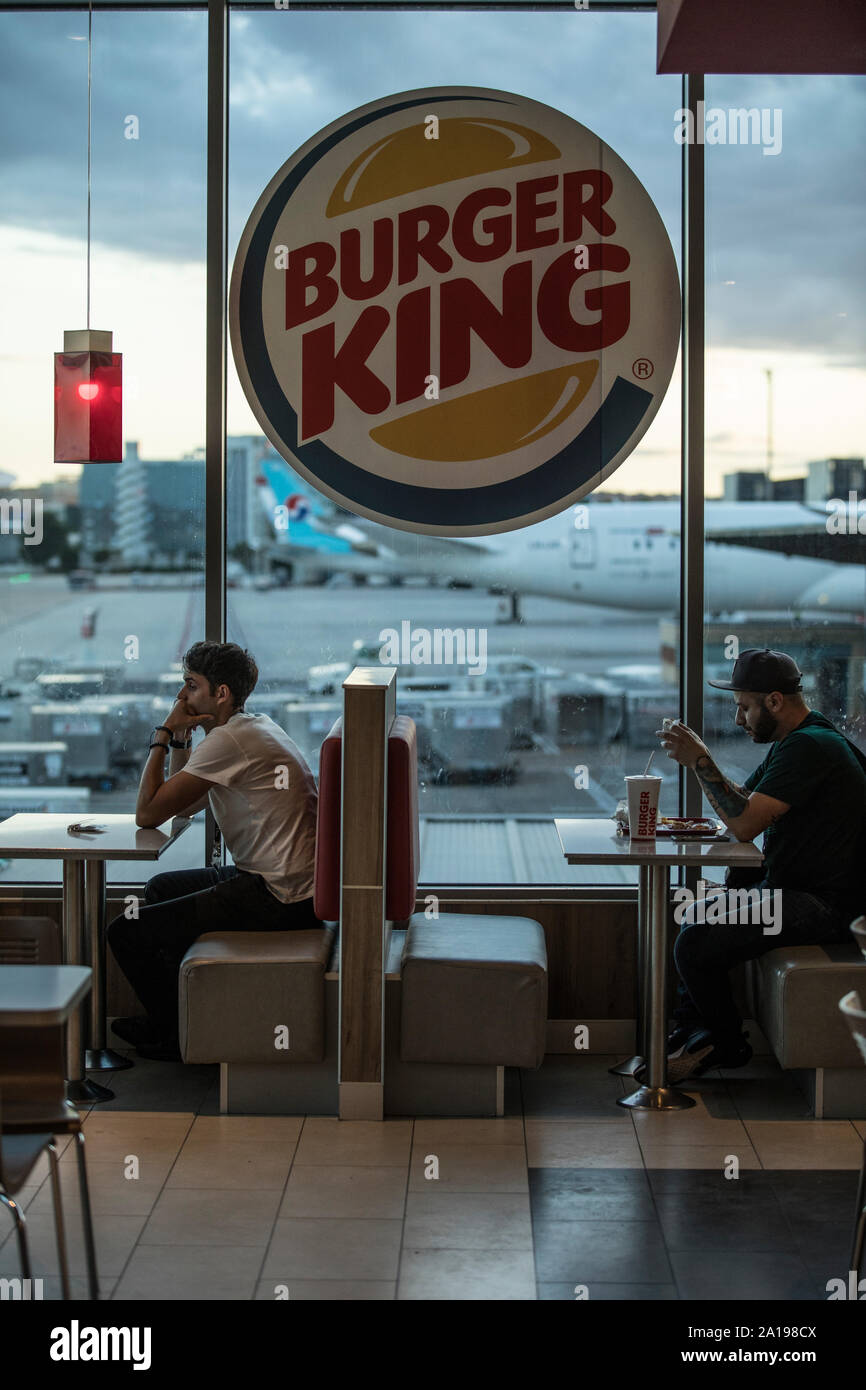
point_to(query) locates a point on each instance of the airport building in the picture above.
(835, 478)
(140, 512)
(823, 480)
(479, 914)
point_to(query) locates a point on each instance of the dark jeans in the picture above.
(706, 951)
(179, 908)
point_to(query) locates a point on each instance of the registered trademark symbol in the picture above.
(642, 368)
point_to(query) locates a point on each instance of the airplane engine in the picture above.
(841, 592)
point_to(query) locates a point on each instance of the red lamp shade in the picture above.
(88, 399)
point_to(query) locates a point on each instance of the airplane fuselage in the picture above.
(618, 554)
(628, 555)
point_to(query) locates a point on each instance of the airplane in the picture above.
(759, 556)
(305, 525)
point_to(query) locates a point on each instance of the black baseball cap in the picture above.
(761, 670)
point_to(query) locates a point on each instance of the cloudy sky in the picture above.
(785, 273)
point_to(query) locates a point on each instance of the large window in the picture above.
(98, 601)
(786, 394)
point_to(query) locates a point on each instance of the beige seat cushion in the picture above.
(237, 988)
(798, 991)
(474, 990)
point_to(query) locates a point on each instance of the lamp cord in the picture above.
(89, 49)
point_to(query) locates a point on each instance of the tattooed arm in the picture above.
(724, 796)
(747, 814)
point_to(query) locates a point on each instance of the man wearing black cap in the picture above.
(808, 796)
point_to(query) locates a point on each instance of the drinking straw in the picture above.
(649, 760)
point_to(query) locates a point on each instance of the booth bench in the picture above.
(383, 1010)
(797, 991)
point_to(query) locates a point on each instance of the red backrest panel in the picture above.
(403, 839)
(326, 878)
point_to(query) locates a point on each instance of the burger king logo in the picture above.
(455, 311)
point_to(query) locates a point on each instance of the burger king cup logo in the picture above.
(455, 311)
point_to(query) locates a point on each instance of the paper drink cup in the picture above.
(643, 805)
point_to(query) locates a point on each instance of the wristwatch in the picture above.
(175, 743)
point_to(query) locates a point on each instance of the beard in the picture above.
(764, 727)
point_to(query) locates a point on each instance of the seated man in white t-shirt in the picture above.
(263, 797)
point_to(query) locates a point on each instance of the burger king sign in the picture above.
(455, 311)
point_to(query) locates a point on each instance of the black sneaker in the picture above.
(702, 1054)
(680, 1036)
(689, 1059)
(675, 1046)
(135, 1030)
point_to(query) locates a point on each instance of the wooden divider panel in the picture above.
(369, 706)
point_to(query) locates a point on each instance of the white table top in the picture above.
(45, 835)
(37, 996)
(596, 842)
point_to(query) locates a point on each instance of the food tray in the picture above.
(690, 828)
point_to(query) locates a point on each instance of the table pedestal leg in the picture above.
(657, 1094)
(78, 1088)
(98, 1057)
(630, 1066)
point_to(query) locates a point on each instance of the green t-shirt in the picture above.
(818, 845)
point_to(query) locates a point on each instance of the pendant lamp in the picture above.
(88, 380)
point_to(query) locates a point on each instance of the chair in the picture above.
(35, 1103)
(855, 1017)
(19, 1154)
(31, 1118)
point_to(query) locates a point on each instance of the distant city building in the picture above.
(835, 478)
(133, 522)
(246, 523)
(151, 511)
(96, 489)
(751, 486)
(59, 493)
(825, 478)
(788, 489)
(145, 512)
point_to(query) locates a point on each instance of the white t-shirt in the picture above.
(264, 801)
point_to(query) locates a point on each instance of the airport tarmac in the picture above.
(288, 630)
(293, 628)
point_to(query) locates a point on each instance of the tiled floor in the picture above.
(568, 1196)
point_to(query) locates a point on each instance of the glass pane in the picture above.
(98, 609)
(785, 394)
(518, 721)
